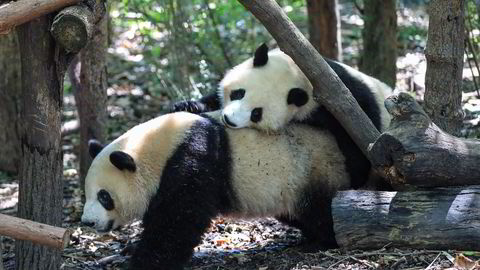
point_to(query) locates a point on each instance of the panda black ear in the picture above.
(123, 161)
(94, 147)
(261, 56)
(297, 96)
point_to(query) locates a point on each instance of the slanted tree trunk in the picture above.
(444, 54)
(41, 187)
(324, 27)
(89, 79)
(380, 40)
(10, 102)
(442, 218)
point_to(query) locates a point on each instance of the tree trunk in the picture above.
(444, 54)
(380, 40)
(414, 152)
(329, 90)
(324, 27)
(89, 79)
(435, 219)
(180, 55)
(10, 100)
(41, 186)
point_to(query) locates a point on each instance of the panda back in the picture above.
(270, 172)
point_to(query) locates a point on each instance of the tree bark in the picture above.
(40, 188)
(39, 233)
(380, 40)
(329, 90)
(435, 219)
(10, 100)
(414, 152)
(324, 27)
(89, 79)
(21, 11)
(444, 54)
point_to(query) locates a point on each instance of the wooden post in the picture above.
(39, 233)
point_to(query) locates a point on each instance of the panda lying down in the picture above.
(180, 170)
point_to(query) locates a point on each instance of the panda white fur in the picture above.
(180, 170)
(269, 90)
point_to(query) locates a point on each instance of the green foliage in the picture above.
(187, 46)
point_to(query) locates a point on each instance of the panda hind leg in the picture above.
(315, 220)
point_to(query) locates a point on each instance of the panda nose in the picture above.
(89, 224)
(228, 122)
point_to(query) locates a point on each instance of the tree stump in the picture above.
(414, 152)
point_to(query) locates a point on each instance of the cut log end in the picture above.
(71, 33)
(72, 28)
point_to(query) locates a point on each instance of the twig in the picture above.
(395, 264)
(362, 262)
(332, 265)
(431, 264)
(109, 259)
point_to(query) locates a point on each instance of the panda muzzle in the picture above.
(227, 121)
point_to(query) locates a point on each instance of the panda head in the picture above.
(125, 174)
(265, 92)
(107, 188)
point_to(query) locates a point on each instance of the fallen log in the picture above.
(440, 218)
(21, 11)
(414, 152)
(39, 233)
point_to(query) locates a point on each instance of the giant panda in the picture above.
(269, 90)
(180, 170)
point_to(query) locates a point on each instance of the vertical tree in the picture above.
(10, 100)
(324, 27)
(444, 54)
(89, 79)
(380, 40)
(40, 190)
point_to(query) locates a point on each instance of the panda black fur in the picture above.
(180, 170)
(268, 91)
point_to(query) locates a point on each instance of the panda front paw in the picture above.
(188, 106)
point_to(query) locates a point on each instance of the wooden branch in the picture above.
(329, 90)
(39, 233)
(435, 219)
(414, 152)
(21, 11)
(72, 27)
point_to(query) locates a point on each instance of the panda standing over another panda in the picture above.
(178, 171)
(269, 90)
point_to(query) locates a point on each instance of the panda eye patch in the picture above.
(256, 115)
(237, 94)
(105, 200)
